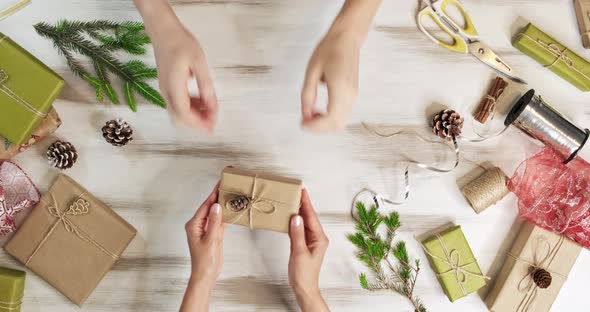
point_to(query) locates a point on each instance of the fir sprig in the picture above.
(376, 252)
(98, 40)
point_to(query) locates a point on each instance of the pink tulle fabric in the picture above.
(555, 196)
(17, 194)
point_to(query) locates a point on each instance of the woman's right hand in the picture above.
(308, 247)
(180, 59)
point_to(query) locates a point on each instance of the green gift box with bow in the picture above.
(12, 287)
(554, 56)
(27, 91)
(454, 264)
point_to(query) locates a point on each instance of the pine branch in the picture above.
(97, 40)
(377, 252)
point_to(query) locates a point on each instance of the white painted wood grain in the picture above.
(258, 50)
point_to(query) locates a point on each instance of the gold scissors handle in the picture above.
(462, 34)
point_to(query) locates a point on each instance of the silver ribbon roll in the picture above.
(539, 120)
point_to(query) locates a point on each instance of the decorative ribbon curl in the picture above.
(527, 285)
(255, 198)
(453, 260)
(559, 54)
(79, 207)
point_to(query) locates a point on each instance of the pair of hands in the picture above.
(205, 239)
(181, 59)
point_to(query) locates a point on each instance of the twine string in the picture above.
(70, 227)
(543, 256)
(559, 54)
(453, 260)
(11, 305)
(256, 200)
(11, 94)
(486, 190)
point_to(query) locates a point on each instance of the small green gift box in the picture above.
(12, 287)
(27, 91)
(554, 56)
(454, 264)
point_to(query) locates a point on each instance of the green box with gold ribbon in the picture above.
(454, 264)
(12, 287)
(554, 56)
(27, 91)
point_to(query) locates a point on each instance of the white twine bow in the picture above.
(453, 260)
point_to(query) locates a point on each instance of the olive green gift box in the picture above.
(12, 287)
(453, 262)
(554, 56)
(27, 91)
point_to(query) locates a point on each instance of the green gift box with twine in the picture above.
(454, 264)
(27, 91)
(554, 56)
(12, 287)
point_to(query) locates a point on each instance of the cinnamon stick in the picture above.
(488, 103)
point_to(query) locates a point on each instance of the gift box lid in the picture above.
(27, 91)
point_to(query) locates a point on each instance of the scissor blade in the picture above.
(483, 52)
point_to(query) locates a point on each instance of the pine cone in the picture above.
(447, 124)
(117, 132)
(62, 155)
(542, 278)
(239, 203)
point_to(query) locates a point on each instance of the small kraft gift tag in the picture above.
(583, 15)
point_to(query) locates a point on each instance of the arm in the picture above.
(308, 247)
(180, 59)
(205, 240)
(335, 62)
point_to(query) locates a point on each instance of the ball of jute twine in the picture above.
(486, 189)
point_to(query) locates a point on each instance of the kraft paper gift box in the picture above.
(12, 287)
(71, 239)
(48, 126)
(8, 7)
(27, 91)
(272, 200)
(534, 248)
(454, 263)
(554, 56)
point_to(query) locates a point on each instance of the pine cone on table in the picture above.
(117, 132)
(447, 124)
(239, 203)
(542, 278)
(62, 155)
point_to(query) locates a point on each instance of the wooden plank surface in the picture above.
(258, 51)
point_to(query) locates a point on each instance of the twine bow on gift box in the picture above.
(11, 94)
(529, 285)
(255, 203)
(560, 54)
(453, 260)
(78, 207)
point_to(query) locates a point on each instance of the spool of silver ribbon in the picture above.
(539, 120)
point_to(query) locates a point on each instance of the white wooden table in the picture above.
(258, 50)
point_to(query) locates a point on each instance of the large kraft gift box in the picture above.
(518, 287)
(48, 126)
(12, 288)
(27, 91)
(554, 56)
(258, 200)
(454, 263)
(71, 239)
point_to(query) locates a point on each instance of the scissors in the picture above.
(465, 38)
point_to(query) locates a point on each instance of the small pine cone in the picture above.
(117, 132)
(62, 155)
(447, 124)
(239, 203)
(542, 278)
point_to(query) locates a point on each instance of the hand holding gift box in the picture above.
(258, 200)
(71, 239)
(536, 268)
(454, 263)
